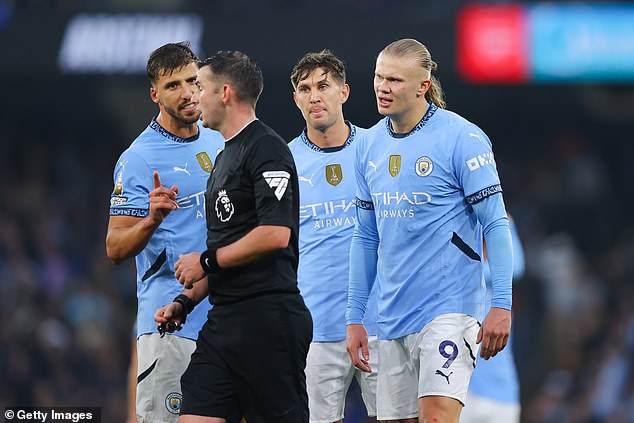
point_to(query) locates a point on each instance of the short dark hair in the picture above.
(168, 58)
(325, 59)
(241, 71)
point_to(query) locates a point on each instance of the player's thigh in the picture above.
(447, 351)
(368, 381)
(397, 382)
(328, 376)
(479, 409)
(162, 361)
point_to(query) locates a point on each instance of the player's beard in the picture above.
(182, 118)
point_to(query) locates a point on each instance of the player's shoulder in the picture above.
(365, 137)
(457, 128)
(452, 121)
(145, 141)
(263, 132)
(296, 144)
(139, 151)
(357, 132)
(211, 134)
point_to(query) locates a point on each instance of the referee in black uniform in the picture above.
(251, 353)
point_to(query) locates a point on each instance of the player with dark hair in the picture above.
(251, 353)
(427, 189)
(157, 224)
(324, 156)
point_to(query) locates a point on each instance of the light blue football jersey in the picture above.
(420, 185)
(496, 378)
(186, 163)
(326, 217)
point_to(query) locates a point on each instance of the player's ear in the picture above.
(295, 98)
(345, 93)
(424, 87)
(153, 95)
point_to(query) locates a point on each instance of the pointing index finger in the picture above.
(157, 179)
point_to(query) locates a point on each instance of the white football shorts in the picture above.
(439, 360)
(162, 361)
(329, 373)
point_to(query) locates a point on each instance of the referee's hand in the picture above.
(188, 270)
(357, 347)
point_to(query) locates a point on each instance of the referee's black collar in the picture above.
(431, 109)
(164, 132)
(315, 147)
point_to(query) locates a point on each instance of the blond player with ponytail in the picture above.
(427, 192)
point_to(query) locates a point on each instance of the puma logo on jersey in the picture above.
(439, 373)
(372, 164)
(304, 179)
(471, 134)
(277, 180)
(181, 169)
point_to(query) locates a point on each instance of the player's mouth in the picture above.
(384, 101)
(189, 107)
(316, 110)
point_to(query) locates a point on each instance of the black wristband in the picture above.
(186, 302)
(209, 262)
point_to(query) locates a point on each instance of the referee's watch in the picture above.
(209, 262)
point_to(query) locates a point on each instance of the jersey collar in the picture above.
(428, 114)
(315, 147)
(164, 132)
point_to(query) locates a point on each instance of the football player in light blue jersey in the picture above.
(494, 392)
(157, 224)
(324, 156)
(427, 189)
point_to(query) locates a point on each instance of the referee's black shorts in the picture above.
(249, 361)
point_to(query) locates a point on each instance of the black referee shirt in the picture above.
(253, 183)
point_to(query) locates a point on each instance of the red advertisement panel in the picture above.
(493, 44)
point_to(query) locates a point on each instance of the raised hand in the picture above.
(162, 200)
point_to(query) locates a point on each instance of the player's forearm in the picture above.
(497, 235)
(255, 245)
(125, 242)
(199, 291)
(363, 262)
(500, 254)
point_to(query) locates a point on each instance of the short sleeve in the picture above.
(474, 165)
(132, 185)
(273, 171)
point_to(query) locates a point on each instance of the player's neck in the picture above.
(334, 136)
(237, 119)
(175, 127)
(404, 123)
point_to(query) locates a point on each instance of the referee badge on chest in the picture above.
(224, 206)
(395, 164)
(334, 174)
(424, 166)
